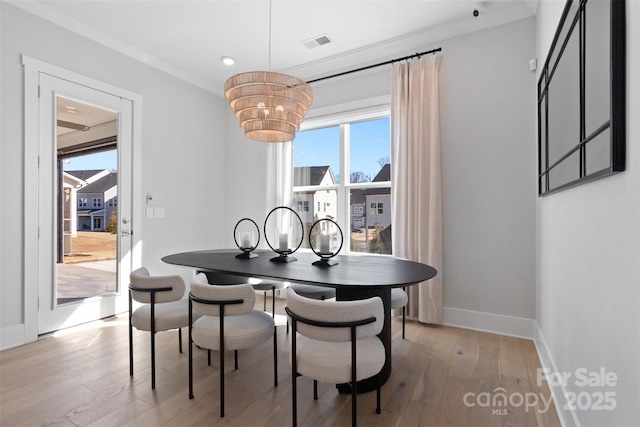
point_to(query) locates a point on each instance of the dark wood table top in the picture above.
(352, 270)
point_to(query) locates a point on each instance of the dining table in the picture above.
(353, 276)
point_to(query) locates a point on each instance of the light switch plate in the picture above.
(149, 212)
(158, 212)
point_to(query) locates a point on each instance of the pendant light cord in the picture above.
(270, 4)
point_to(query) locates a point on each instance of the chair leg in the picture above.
(315, 389)
(294, 399)
(294, 375)
(130, 335)
(190, 351)
(208, 357)
(354, 376)
(153, 360)
(273, 302)
(153, 342)
(221, 383)
(378, 411)
(221, 349)
(180, 340)
(264, 301)
(235, 359)
(275, 357)
(404, 318)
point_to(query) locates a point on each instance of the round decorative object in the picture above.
(323, 239)
(244, 235)
(285, 227)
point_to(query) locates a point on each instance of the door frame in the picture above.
(32, 70)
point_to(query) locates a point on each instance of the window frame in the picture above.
(343, 120)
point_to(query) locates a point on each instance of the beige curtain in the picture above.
(417, 199)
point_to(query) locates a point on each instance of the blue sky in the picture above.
(370, 141)
(104, 160)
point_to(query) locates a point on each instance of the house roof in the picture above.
(100, 186)
(384, 174)
(358, 196)
(85, 175)
(311, 175)
(69, 178)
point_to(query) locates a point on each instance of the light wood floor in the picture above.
(80, 377)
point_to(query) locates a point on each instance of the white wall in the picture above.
(588, 286)
(489, 158)
(182, 156)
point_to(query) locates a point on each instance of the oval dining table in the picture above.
(353, 277)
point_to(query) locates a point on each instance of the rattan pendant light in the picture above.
(269, 106)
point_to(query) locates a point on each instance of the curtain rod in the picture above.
(376, 65)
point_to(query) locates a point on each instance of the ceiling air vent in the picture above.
(317, 41)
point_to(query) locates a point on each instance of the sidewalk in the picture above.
(85, 280)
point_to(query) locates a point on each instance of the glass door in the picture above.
(85, 203)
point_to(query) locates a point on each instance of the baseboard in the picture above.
(12, 336)
(566, 416)
(488, 322)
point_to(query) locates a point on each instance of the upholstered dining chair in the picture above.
(163, 309)
(314, 292)
(228, 322)
(335, 342)
(399, 299)
(265, 286)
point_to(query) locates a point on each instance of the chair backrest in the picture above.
(202, 290)
(141, 278)
(336, 311)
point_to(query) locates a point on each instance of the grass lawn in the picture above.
(92, 246)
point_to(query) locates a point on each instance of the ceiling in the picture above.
(71, 111)
(188, 38)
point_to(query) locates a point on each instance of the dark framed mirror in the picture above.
(581, 97)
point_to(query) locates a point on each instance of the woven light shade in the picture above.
(270, 106)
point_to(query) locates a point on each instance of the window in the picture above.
(303, 206)
(97, 202)
(345, 168)
(82, 202)
(377, 208)
(113, 202)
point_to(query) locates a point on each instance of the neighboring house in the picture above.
(372, 207)
(96, 201)
(70, 186)
(314, 204)
(72, 182)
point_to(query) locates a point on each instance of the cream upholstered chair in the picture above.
(313, 291)
(399, 299)
(264, 286)
(228, 322)
(335, 342)
(163, 309)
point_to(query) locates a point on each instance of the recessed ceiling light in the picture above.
(227, 60)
